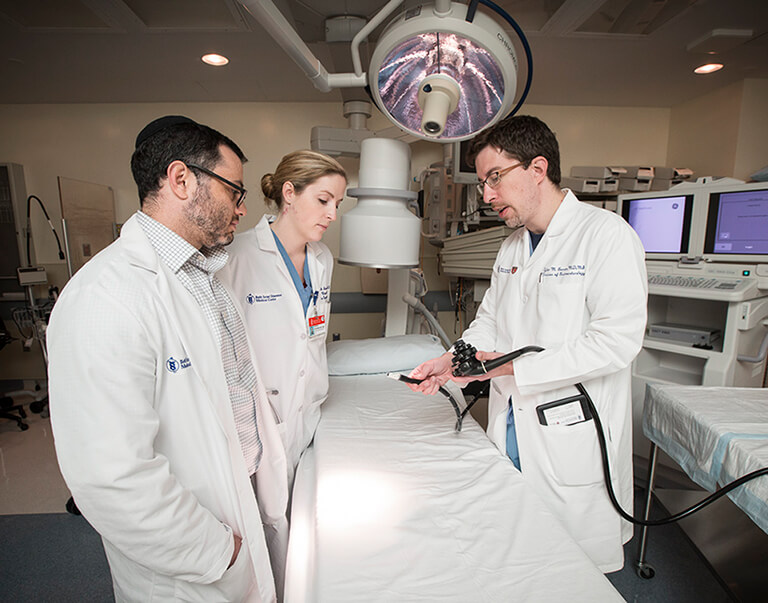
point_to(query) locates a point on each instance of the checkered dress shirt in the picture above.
(196, 269)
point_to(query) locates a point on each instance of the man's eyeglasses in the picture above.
(494, 178)
(239, 189)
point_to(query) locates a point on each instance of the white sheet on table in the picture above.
(391, 504)
(717, 435)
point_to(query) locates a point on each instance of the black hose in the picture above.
(459, 414)
(501, 360)
(29, 229)
(671, 518)
(472, 9)
(606, 463)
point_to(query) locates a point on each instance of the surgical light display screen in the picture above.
(662, 223)
(738, 223)
(477, 73)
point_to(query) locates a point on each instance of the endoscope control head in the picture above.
(464, 362)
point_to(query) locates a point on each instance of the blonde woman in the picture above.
(280, 271)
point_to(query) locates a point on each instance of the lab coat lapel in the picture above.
(266, 241)
(264, 237)
(316, 268)
(186, 317)
(534, 264)
(564, 216)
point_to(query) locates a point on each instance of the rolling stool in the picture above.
(15, 412)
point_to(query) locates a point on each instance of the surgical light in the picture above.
(441, 77)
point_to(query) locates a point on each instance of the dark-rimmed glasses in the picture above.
(232, 185)
(494, 178)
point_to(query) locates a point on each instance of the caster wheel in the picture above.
(23, 426)
(645, 571)
(39, 406)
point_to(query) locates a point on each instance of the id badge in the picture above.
(316, 325)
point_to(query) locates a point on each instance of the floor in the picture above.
(30, 481)
(32, 487)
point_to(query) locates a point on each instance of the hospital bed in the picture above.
(392, 504)
(716, 435)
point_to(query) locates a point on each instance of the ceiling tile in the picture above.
(51, 15)
(208, 15)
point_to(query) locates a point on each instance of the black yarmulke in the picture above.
(161, 123)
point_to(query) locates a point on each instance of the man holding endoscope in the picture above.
(572, 280)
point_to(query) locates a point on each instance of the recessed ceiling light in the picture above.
(708, 68)
(216, 60)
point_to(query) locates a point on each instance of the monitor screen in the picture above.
(737, 223)
(663, 223)
(462, 171)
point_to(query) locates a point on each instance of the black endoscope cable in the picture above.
(465, 364)
(459, 414)
(672, 518)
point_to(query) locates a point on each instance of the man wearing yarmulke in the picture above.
(156, 404)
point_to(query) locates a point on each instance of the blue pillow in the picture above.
(399, 353)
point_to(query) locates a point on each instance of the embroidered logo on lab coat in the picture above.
(258, 298)
(503, 270)
(174, 365)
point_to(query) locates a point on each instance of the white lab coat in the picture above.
(148, 446)
(582, 296)
(292, 361)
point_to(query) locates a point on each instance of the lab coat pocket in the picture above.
(574, 453)
(234, 585)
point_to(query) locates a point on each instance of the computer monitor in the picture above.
(737, 224)
(662, 221)
(463, 173)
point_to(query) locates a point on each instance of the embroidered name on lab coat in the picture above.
(573, 270)
(175, 366)
(325, 293)
(259, 299)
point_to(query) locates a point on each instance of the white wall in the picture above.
(95, 142)
(607, 135)
(704, 132)
(723, 133)
(596, 135)
(752, 148)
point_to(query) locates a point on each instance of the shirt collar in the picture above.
(175, 251)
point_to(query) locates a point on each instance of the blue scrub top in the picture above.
(535, 240)
(513, 451)
(305, 291)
